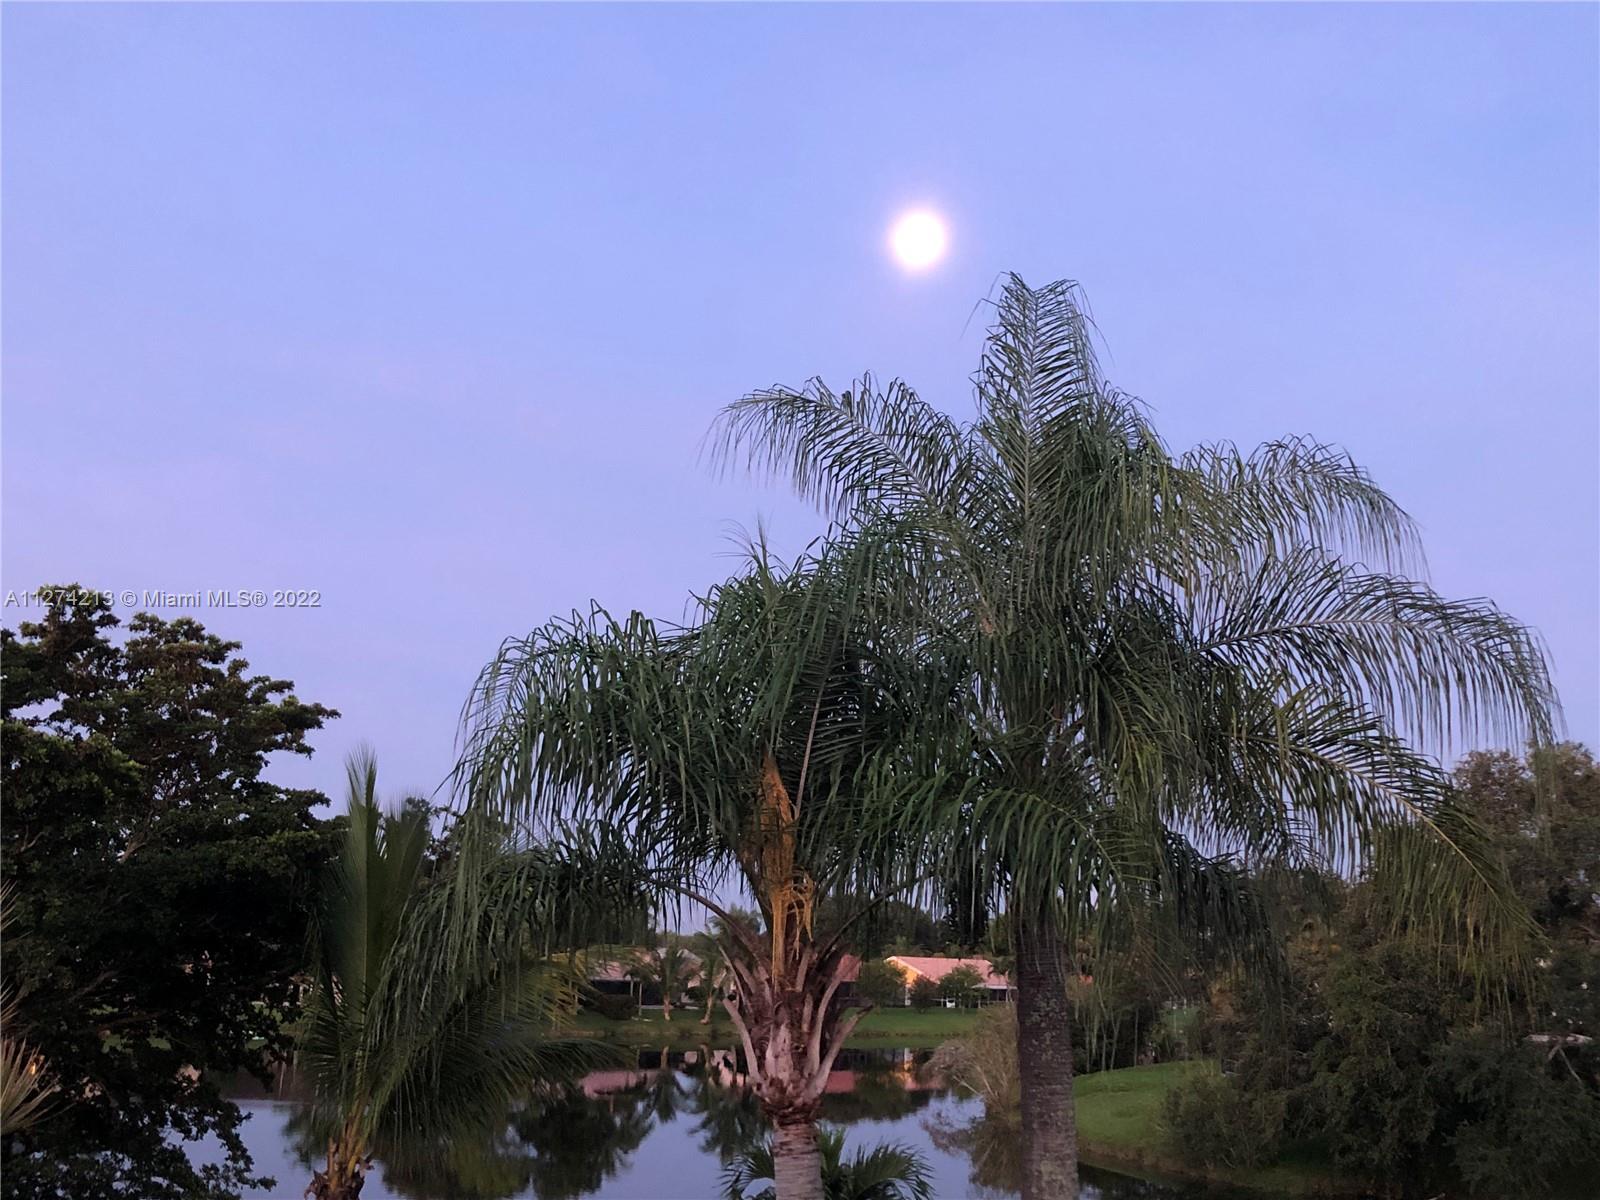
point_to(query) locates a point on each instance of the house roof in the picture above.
(609, 971)
(617, 964)
(937, 968)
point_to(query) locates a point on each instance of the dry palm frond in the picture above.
(28, 1090)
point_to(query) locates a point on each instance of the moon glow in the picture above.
(918, 239)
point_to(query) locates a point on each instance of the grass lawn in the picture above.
(886, 1028)
(918, 1029)
(1119, 1125)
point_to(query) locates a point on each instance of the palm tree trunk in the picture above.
(796, 1158)
(344, 1177)
(1044, 1058)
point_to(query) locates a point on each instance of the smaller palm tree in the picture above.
(713, 971)
(403, 1042)
(668, 969)
(886, 1172)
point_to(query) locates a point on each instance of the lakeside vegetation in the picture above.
(1121, 1124)
(1370, 1061)
(896, 1027)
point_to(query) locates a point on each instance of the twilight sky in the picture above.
(428, 307)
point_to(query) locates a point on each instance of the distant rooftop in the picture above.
(936, 968)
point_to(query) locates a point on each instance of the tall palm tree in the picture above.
(1179, 664)
(403, 1045)
(752, 751)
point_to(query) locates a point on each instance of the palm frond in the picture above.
(1174, 666)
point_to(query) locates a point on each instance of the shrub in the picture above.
(924, 994)
(959, 985)
(880, 984)
(984, 1060)
(1519, 1123)
(617, 1008)
(1213, 1121)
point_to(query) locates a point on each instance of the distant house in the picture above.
(614, 971)
(849, 972)
(609, 977)
(994, 988)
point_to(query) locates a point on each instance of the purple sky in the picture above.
(428, 307)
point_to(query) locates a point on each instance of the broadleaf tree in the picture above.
(158, 890)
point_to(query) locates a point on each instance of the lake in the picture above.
(663, 1129)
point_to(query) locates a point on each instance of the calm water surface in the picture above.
(664, 1129)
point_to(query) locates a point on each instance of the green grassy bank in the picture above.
(884, 1028)
(1119, 1125)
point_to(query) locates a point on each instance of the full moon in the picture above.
(918, 239)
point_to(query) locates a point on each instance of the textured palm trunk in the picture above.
(344, 1176)
(796, 1159)
(785, 1001)
(711, 1000)
(792, 1028)
(1044, 1059)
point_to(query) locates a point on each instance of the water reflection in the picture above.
(663, 1128)
(993, 1149)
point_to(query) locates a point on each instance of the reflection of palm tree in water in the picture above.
(488, 1165)
(730, 1121)
(494, 1165)
(991, 1144)
(564, 1143)
(579, 1140)
(664, 1093)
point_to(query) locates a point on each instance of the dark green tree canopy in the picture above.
(880, 984)
(157, 889)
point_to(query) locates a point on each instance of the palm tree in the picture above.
(887, 1172)
(667, 968)
(28, 1088)
(1178, 664)
(752, 750)
(403, 1045)
(713, 970)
